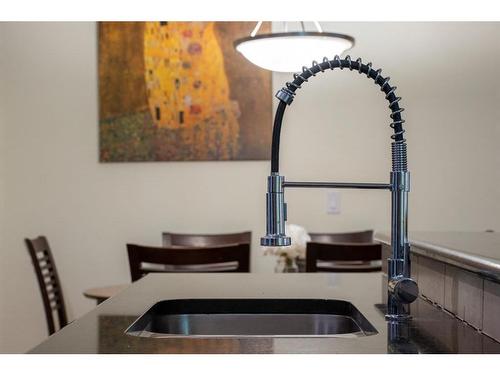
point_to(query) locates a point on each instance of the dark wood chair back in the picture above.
(223, 258)
(204, 240)
(48, 281)
(343, 257)
(355, 237)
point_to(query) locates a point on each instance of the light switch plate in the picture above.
(333, 202)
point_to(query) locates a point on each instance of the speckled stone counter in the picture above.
(103, 329)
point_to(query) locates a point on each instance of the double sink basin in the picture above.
(251, 318)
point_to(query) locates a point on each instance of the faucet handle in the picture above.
(404, 289)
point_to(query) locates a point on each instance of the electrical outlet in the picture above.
(333, 202)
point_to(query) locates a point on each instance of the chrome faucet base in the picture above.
(398, 317)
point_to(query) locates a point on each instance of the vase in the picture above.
(301, 264)
(286, 264)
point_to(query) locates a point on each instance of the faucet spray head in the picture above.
(275, 240)
(276, 213)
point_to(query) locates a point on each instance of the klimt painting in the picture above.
(171, 91)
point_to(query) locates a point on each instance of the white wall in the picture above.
(337, 129)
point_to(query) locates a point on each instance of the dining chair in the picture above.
(343, 257)
(227, 258)
(204, 240)
(347, 237)
(48, 281)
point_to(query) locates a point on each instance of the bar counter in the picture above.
(102, 330)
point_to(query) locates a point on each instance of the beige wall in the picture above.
(4, 318)
(337, 129)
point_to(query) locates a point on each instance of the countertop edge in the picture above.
(487, 267)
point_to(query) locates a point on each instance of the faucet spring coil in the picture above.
(399, 160)
(357, 65)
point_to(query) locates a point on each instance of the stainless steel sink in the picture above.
(251, 317)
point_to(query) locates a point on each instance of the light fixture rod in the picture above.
(256, 29)
(318, 26)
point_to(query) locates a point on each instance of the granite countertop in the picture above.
(478, 252)
(102, 329)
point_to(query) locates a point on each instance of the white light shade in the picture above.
(289, 52)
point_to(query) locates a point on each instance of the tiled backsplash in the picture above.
(491, 309)
(465, 294)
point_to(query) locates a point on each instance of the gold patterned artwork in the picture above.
(179, 91)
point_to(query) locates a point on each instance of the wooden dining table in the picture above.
(102, 293)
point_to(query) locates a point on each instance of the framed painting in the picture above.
(176, 91)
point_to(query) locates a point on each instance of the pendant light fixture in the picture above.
(290, 50)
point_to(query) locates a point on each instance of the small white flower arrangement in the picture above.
(287, 255)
